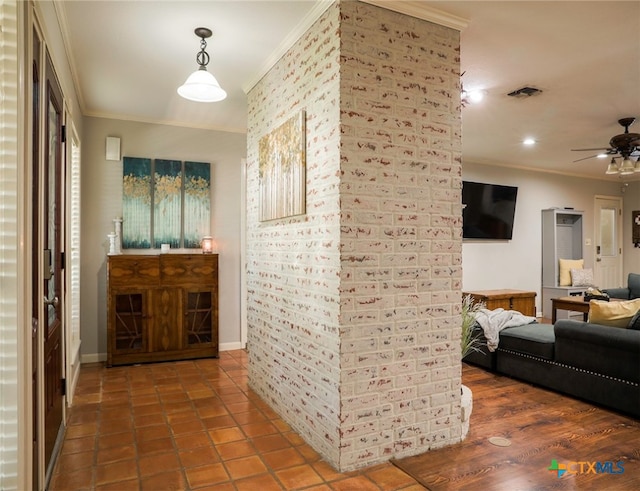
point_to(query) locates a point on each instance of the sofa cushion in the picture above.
(614, 313)
(565, 266)
(533, 339)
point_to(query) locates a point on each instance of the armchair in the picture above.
(630, 292)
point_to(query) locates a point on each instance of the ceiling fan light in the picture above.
(636, 168)
(201, 86)
(612, 168)
(627, 167)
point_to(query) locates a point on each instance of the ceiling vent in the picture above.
(524, 92)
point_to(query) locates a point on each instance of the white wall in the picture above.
(102, 202)
(517, 263)
(631, 253)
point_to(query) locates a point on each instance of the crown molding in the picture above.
(421, 11)
(288, 42)
(63, 24)
(165, 122)
(412, 8)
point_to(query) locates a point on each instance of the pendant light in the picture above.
(612, 168)
(202, 86)
(627, 167)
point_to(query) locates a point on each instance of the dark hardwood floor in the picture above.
(541, 426)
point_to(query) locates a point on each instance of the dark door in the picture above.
(35, 254)
(51, 270)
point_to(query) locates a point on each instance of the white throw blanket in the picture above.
(494, 321)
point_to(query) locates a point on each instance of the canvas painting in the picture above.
(136, 203)
(167, 202)
(197, 202)
(282, 170)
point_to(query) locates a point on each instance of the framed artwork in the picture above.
(167, 202)
(136, 203)
(197, 203)
(282, 170)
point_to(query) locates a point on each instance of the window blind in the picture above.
(9, 240)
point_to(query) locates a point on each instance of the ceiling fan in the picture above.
(624, 145)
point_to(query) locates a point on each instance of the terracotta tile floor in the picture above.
(192, 425)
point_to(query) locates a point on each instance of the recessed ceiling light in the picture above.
(475, 96)
(528, 141)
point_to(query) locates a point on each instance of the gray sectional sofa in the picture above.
(597, 363)
(631, 291)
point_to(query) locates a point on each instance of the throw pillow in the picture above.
(615, 314)
(581, 277)
(565, 270)
(635, 322)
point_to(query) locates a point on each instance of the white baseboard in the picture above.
(94, 358)
(231, 346)
(101, 357)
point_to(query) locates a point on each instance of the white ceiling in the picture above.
(129, 57)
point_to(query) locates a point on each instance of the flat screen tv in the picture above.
(489, 210)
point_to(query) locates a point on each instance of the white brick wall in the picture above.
(354, 307)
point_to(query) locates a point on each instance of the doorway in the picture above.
(47, 227)
(607, 269)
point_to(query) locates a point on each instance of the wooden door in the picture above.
(51, 270)
(607, 269)
(35, 255)
(167, 320)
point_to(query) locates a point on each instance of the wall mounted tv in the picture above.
(489, 211)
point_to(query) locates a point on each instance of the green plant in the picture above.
(469, 341)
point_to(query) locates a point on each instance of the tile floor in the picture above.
(192, 425)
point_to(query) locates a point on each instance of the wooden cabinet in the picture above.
(162, 307)
(522, 301)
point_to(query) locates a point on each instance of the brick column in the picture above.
(354, 307)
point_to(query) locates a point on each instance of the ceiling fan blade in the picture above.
(590, 149)
(585, 158)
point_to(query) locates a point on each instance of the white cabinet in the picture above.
(561, 239)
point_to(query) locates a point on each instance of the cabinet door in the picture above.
(167, 322)
(200, 317)
(129, 321)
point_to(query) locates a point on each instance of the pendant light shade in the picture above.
(202, 86)
(612, 168)
(627, 167)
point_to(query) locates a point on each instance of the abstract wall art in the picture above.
(197, 202)
(282, 170)
(136, 203)
(165, 202)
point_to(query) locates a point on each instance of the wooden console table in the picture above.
(520, 300)
(573, 303)
(161, 307)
